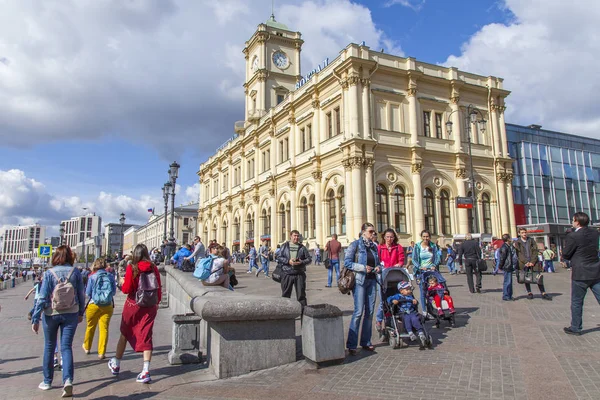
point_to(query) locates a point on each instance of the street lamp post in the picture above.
(173, 175)
(122, 221)
(470, 118)
(166, 193)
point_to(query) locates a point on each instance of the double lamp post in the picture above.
(168, 189)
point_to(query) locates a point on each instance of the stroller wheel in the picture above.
(437, 324)
(452, 321)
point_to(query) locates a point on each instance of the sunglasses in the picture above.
(371, 231)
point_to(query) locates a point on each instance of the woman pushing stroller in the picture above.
(425, 257)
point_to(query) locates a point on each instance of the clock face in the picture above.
(280, 59)
(255, 64)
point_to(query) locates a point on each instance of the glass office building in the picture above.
(555, 175)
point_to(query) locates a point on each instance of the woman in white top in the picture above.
(220, 268)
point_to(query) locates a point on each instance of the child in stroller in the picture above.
(438, 298)
(401, 310)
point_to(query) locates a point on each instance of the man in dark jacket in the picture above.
(294, 258)
(505, 264)
(581, 247)
(527, 253)
(471, 251)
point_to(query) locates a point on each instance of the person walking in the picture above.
(527, 253)
(581, 248)
(450, 257)
(317, 255)
(361, 257)
(143, 289)
(471, 252)
(294, 257)
(408, 252)
(548, 257)
(334, 248)
(391, 254)
(263, 252)
(506, 255)
(100, 290)
(425, 257)
(62, 299)
(252, 255)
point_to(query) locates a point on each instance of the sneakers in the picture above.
(144, 377)
(114, 368)
(257, 272)
(568, 330)
(57, 363)
(248, 272)
(86, 351)
(546, 296)
(45, 386)
(423, 340)
(67, 389)
(530, 296)
(412, 337)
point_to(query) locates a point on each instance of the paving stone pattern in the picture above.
(499, 350)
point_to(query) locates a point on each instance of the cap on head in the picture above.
(404, 285)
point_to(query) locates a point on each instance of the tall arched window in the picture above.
(214, 231)
(250, 226)
(446, 227)
(288, 217)
(429, 210)
(400, 209)
(382, 208)
(282, 222)
(224, 231)
(343, 210)
(236, 229)
(265, 222)
(331, 204)
(304, 209)
(487, 213)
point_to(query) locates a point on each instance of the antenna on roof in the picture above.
(273, 10)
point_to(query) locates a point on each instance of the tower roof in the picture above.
(274, 24)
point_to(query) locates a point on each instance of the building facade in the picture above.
(22, 242)
(361, 138)
(555, 175)
(113, 237)
(78, 229)
(184, 223)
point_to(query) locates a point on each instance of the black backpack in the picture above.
(188, 266)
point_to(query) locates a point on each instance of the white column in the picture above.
(496, 135)
(293, 211)
(438, 214)
(462, 223)
(511, 206)
(418, 216)
(457, 127)
(318, 208)
(503, 206)
(292, 141)
(370, 189)
(349, 192)
(230, 237)
(504, 140)
(257, 217)
(413, 116)
(316, 127)
(357, 193)
(366, 108)
(353, 106)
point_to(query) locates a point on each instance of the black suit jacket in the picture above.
(581, 247)
(470, 250)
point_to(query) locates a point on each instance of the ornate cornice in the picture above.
(369, 162)
(317, 175)
(454, 99)
(347, 164)
(316, 104)
(416, 168)
(271, 191)
(292, 184)
(500, 176)
(353, 80)
(508, 177)
(256, 199)
(292, 119)
(412, 92)
(461, 173)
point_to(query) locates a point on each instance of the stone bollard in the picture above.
(186, 340)
(323, 335)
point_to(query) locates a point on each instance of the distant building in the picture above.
(77, 229)
(22, 242)
(185, 227)
(113, 237)
(53, 241)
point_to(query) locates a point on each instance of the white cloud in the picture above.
(147, 71)
(414, 4)
(548, 58)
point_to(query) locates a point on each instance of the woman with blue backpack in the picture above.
(100, 290)
(213, 270)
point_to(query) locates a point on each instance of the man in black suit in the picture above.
(471, 251)
(581, 248)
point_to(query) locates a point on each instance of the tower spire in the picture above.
(273, 10)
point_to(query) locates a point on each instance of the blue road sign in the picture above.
(45, 251)
(20, 262)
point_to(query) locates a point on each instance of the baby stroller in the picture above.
(432, 310)
(394, 332)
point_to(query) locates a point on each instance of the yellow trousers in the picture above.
(95, 316)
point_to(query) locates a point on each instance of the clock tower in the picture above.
(272, 67)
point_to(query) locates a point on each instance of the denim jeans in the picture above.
(549, 266)
(364, 305)
(451, 267)
(252, 264)
(67, 323)
(265, 265)
(507, 286)
(333, 264)
(578, 292)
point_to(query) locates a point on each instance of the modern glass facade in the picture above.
(555, 174)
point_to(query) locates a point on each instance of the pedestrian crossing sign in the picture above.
(45, 251)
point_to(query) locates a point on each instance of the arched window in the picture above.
(288, 217)
(282, 222)
(236, 229)
(224, 230)
(250, 226)
(487, 213)
(331, 204)
(312, 216)
(214, 231)
(304, 209)
(382, 208)
(445, 209)
(265, 222)
(400, 209)
(343, 210)
(429, 211)
(473, 225)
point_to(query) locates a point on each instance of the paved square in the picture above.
(499, 350)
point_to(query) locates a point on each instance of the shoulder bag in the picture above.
(481, 264)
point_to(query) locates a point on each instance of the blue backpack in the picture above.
(204, 267)
(102, 295)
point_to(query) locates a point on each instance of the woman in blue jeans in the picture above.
(425, 257)
(361, 257)
(62, 311)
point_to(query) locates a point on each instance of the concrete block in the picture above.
(323, 335)
(185, 340)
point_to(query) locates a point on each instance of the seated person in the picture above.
(437, 291)
(407, 305)
(183, 252)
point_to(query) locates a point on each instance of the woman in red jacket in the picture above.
(391, 254)
(139, 311)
